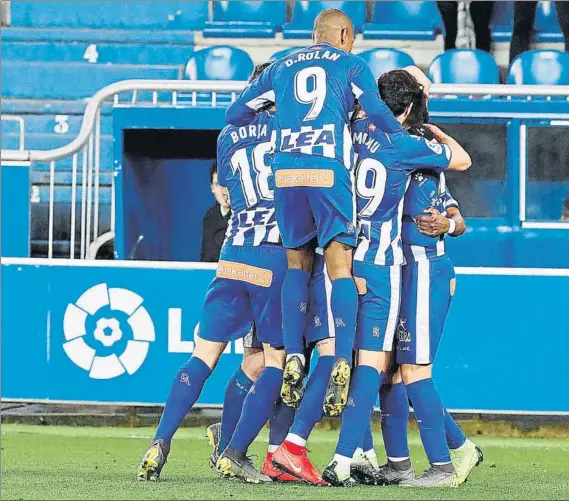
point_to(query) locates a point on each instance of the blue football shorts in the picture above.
(379, 290)
(314, 197)
(251, 340)
(428, 287)
(246, 290)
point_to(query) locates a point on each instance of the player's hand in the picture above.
(433, 225)
(440, 136)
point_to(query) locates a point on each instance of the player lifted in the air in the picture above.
(315, 89)
(247, 289)
(385, 162)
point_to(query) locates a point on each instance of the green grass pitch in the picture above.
(100, 463)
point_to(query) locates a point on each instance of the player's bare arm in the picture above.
(436, 224)
(460, 159)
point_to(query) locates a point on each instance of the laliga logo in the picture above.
(107, 332)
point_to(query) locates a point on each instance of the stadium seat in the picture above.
(219, 63)
(501, 23)
(383, 60)
(38, 80)
(417, 20)
(464, 66)
(245, 19)
(546, 24)
(111, 14)
(100, 53)
(305, 12)
(283, 53)
(540, 67)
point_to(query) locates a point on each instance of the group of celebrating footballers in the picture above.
(336, 241)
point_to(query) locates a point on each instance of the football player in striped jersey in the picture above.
(428, 284)
(384, 165)
(314, 90)
(247, 288)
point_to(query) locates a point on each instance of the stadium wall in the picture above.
(506, 328)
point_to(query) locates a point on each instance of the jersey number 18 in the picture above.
(253, 190)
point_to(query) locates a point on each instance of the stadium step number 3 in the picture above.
(316, 75)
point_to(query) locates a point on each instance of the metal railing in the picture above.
(85, 149)
(21, 126)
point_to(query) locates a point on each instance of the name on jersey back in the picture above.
(248, 131)
(312, 56)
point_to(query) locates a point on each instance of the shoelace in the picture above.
(250, 460)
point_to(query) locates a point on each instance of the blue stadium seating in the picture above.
(305, 12)
(96, 35)
(416, 20)
(502, 19)
(53, 124)
(464, 66)
(383, 60)
(221, 62)
(111, 14)
(100, 53)
(245, 19)
(546, 24)
(540, 67)
(38, 80)
(283, 53)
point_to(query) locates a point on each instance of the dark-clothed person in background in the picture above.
(480, 13)
(215, 221)
(524, 17)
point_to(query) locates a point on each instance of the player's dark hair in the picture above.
(212, 171)
(259, 69)
(566, 206)
(399, 89)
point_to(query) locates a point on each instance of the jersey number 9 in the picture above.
(373, 192)
(317, 95)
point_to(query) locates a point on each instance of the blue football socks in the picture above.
(279, 424)
(235, 393)
(344, 305)
(357, 414)
(257, 408)
(294, 302)
(310, 410)
(185, 391)
(430, 416)
(366, 443)
(455, 436)
(394, 419)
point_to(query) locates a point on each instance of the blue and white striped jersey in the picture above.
(315, 90)
(426, 189)
(384, 164)
(244, 157)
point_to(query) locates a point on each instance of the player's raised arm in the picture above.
(364, 88)
(256, 97)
